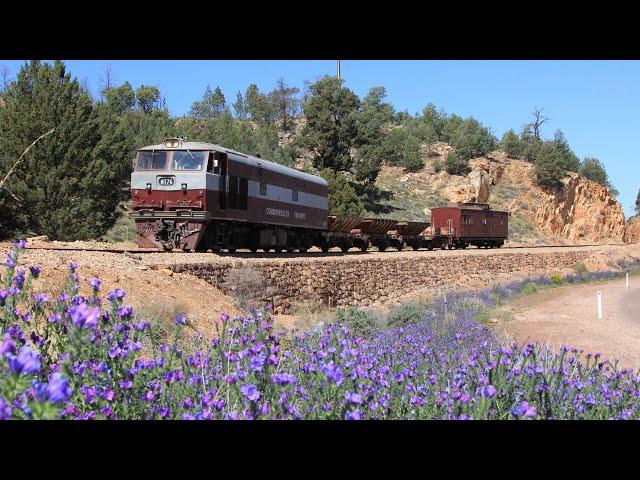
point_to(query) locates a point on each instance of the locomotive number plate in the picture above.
(166, 181)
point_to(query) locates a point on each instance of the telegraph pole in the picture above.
(338, 62)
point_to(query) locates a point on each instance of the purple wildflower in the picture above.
(524, 410)
(26, 362)
(84, 317)
(250, 391)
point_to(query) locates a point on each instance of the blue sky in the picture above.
(595, 103)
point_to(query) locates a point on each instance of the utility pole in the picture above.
(338, 62)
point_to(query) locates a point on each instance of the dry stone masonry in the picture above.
(361, 281)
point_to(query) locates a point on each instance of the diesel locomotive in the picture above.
(203, 197)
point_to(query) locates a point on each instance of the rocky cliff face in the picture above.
(632, 230)
(581, 211)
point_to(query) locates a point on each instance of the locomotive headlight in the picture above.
(171, 142)
(149, 186)
(183, 187)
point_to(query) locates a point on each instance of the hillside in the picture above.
(582, 212)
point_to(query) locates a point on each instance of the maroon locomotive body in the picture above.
(200, 196)
(459, 225)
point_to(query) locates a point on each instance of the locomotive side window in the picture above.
(294, 194)
(151, 160)
(187, 160)
(216, 163)
(263, 188)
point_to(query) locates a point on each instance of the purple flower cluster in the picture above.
(73, 360)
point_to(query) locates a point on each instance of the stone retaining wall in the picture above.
(358, 281)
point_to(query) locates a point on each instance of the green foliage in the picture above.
(343, 199)
(147, 98)
(212, 105)
(120, 99)
(359, 321)
(404, 149)
(68, 185)
(331, 130)
(455, 164)
(593, 170)
(549, 166)
(570, 161)
(580, 268)
(530, 144)
(239, 107)
(556, 279)
(405, 313)
(638, 203)
(471, 139)
(284, 103)
(511, 144)
(529, 288)
(257, 105)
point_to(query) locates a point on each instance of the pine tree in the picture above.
(258, 105)
(638, 203)
(592, 169)
(212, 105)
(343, 199)
(285, 104)
(570, 161)
(510, 144)
(331, 130)
(68, 185)
(549, 166)
(240, 107)
(147, 98)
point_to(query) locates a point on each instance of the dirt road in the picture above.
(568, 316)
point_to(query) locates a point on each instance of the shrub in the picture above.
(529, 288)
(248, 286)
(406, 312)
(358, 320)
(580, 268)
(454, 164)
(556, 279)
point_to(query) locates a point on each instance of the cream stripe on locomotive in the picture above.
(209, 181)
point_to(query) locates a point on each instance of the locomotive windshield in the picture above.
(188, 160)
(152, 160)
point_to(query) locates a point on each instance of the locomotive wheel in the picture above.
(363, 248)
(231, 250)
(253, 249)
(277, 250)
(303, 250)
(344, 248)
(415, 248)
(324, 248)
(382, 248)
(290, 249)
(266, 249)
(400, 247)
(215, 250)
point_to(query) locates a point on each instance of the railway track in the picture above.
(248, 254)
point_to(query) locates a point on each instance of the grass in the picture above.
(162, 318)
(124, 230)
